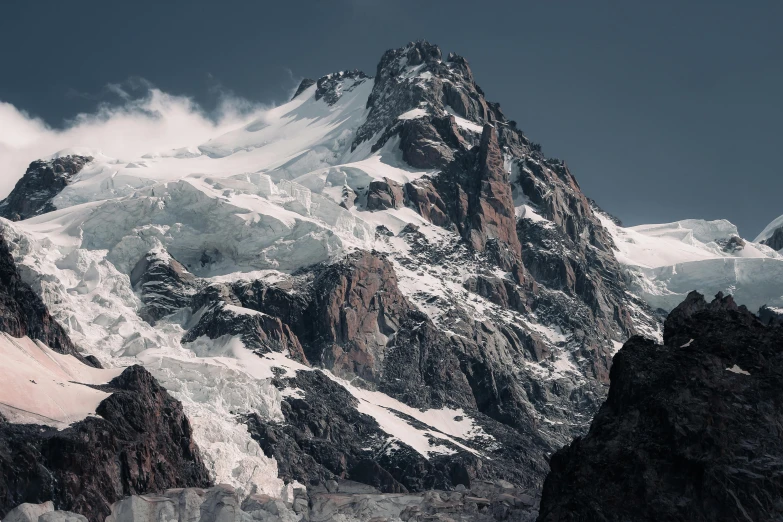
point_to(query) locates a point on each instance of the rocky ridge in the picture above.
(689, 430)
(23, 313)
(43, 180)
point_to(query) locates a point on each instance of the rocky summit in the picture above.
(379, 299)
(690, 429)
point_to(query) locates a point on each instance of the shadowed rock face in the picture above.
(140, 441)
(324, 437)
(260, 332)
(690, 429)
(43, 180)
(164, 283)
(775, 241)
(23, 313)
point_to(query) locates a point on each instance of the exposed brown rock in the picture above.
(492, 215)
(356, 309)
(384, 194)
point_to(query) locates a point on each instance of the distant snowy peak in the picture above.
(666, 261)
(772, 235)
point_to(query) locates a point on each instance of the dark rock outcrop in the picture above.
(43, 180)
(324, 437)
(356, 309)
(690, 429)
(139, 442)
(23, 313)
(330, 87)
(770, 316)
(164, 283)
(775, 241)
(260, 332)
(384, 194)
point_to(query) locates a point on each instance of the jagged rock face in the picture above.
(690, 429)
(357, 307)
(43, 180)
(352, 319)
(259, 332)
(432, 82)
(493, 214)
(569, 251)
(164, 283)
(140, 441)
(23, 313)
(324, 437)
(480, 183)
(330, 87)
(384, 194)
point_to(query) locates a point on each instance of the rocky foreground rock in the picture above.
(691, 429)
(139, 441)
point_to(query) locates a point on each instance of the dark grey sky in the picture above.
(664, 110)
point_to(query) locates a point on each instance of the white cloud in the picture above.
(153, 123)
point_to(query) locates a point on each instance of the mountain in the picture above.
(665, 262)
(382, 281)
(690, 429)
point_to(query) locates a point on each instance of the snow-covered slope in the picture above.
(667, 261)
(41, 386)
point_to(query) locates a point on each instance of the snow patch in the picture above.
(41, 386)
(736, 369)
